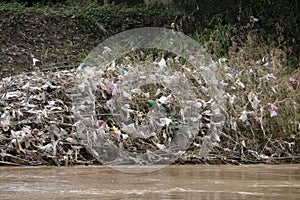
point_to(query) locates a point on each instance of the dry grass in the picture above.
(262, 72)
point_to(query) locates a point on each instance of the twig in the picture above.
(229, 137)
(15, 158)
(269, 139)
(9, 163)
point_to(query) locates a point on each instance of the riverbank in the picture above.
(38, 126)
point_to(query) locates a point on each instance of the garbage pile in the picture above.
(41, 123)
(145, 113)
(263, 108)
(36, 121)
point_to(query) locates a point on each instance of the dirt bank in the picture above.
(63, 36)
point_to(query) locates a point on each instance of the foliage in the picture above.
(209, 21)
(278, 21)
(217, 39)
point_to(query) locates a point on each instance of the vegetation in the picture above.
(216, 22)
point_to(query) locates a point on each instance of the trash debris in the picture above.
(253, 100)
(162, 63)
(293, 80)
(243, 116)
(5, 121)
(248, 122)
(273, 111)
(154, 105)
(114, 129)
(34, 60)
(38, 120)
(240, 83)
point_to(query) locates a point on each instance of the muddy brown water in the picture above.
(171, 182)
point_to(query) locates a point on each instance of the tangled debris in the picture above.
(263, 108)
(36, 121)
(38, 125)
(155, 112)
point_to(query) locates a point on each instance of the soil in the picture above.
(58, 38)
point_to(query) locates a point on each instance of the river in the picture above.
(172, 182)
